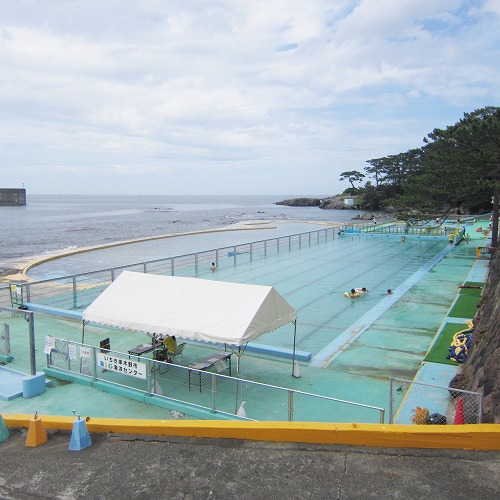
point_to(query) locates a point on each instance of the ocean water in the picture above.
(52, 223)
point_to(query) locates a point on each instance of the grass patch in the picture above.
(465, 306)
(441, 347)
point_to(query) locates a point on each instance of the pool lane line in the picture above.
(324, 357)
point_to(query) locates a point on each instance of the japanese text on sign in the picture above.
(121, 365)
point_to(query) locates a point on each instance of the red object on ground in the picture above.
(459, 414)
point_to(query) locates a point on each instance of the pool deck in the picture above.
(435, 374)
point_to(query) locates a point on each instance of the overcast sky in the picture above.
(231, 96)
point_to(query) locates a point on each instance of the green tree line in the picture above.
(457, 168)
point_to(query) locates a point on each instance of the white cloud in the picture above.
(288, 91)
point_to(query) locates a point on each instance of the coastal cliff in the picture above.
(481, 371)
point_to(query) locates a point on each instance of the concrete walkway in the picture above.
(132, 466)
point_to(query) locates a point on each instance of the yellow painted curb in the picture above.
(466, 437)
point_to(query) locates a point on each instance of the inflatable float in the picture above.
(460, 344)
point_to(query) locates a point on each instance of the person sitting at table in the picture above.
(170, 345)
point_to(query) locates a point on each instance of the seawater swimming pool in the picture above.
(313, 279)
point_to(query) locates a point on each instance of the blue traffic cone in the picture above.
(4, 432)
(80, 437)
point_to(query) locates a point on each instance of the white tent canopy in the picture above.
(191, 308)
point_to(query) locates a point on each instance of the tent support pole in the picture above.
(294, 346)
(238, 363)
(83, 331)
(238, 376)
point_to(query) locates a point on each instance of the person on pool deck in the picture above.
(170, 345)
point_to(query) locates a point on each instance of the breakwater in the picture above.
(10, 197)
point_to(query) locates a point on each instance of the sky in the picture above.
(232, 97)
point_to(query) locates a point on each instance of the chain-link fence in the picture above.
(4, 339)
(418, 403)
(217, 392)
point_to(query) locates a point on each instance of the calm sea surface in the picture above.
(51, 223)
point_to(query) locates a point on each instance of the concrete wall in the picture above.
(12, 196)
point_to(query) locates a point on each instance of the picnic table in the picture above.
(218, 360)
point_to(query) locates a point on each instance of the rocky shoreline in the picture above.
(332, 203)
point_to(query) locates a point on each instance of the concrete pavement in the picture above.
(135, 466)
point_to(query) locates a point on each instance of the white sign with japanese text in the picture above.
(72, 352)
(125, 366)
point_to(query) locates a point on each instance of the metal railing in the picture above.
(5, 333)
(395, 228)
(78, 291)
(414, 402)
(214, 392)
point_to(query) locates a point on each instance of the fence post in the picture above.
(391, 399)
(290, 406)
(151, 382)
(31, 319)
(94, 361)
(75, 301)
(480, 408)
(382, 416)
(28, 292)
(214, 391)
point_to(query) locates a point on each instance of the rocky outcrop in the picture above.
(336, 203)
(300, 202)
(333, 202)
(482, 369)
